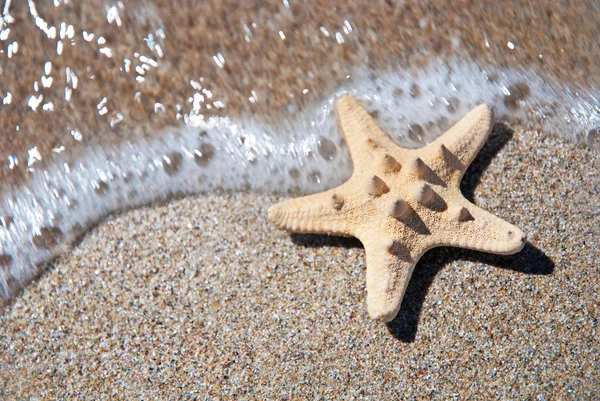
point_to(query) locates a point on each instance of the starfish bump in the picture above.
(403, 205)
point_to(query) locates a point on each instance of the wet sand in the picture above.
(262, 73)
(202, 298)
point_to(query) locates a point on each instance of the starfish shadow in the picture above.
(501, 134)
(531, 260)
(319, 240)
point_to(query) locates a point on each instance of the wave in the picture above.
(290, 151)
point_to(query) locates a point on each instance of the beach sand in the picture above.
(202, 298)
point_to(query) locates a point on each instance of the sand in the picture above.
(202, 298)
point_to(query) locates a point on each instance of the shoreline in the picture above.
(203, 294)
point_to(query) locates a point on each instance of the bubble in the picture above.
(177, 194)
(48, 238)
(172, 162)
(415, 133)
(493, 77)
(131, 194)
(204, 154)
(518, 92)
(415, 90)
(11, 284)
(315, 176)
(6, 221)
(100, 187)
(453, 104)
(56, 217)
(374, 114)
(294, 173)
(58, 193)
(593, 137)
(442, 123)
(327, 149)
(5, 260)
(77, 228)
(70, 202)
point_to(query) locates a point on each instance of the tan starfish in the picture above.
(401, 202)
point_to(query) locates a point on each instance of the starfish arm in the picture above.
(482, 231)
(321, 213)
(388, 272)
(361, 133)
(460, 144)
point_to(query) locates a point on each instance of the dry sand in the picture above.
(202, 298)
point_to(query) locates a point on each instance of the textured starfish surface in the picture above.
(401, 202)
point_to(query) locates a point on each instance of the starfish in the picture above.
(401, 202)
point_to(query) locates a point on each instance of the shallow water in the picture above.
(106, 108)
